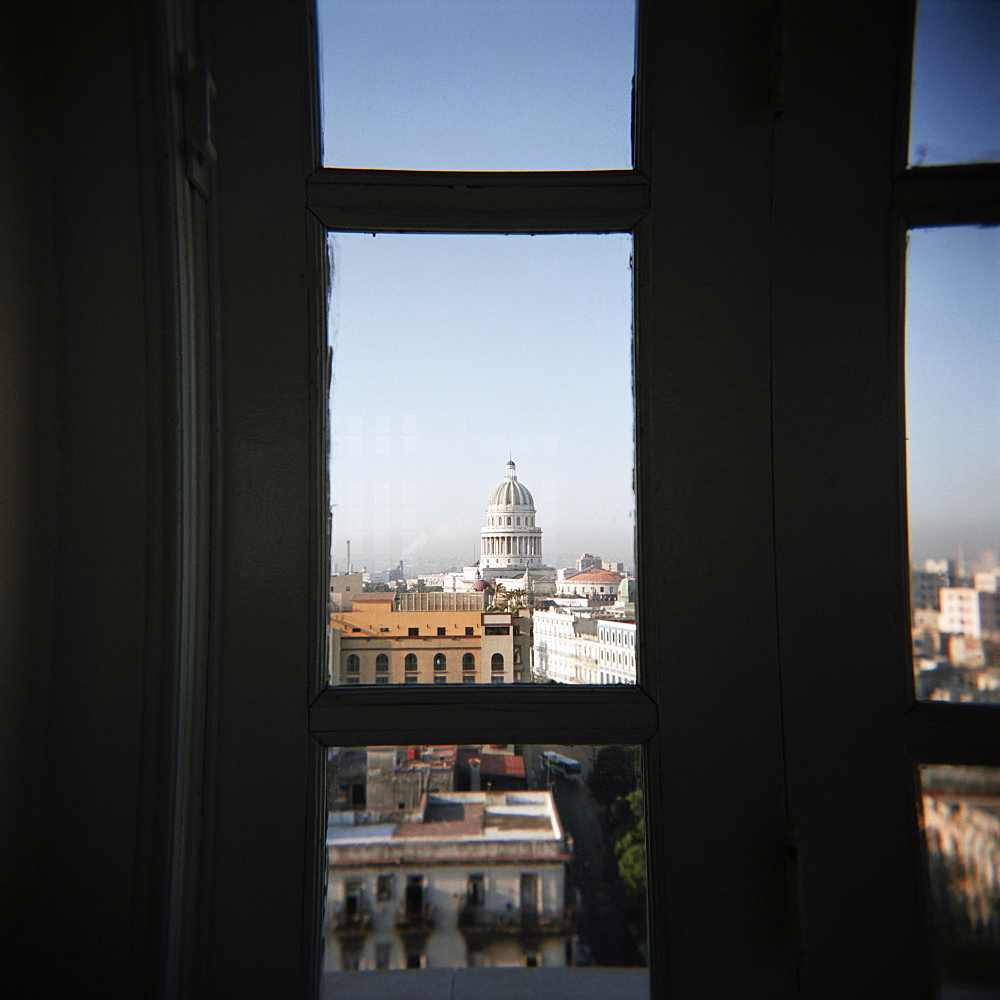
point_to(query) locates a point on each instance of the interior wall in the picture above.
(73, 529)
(27, 469)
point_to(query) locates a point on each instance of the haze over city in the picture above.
(453, 353)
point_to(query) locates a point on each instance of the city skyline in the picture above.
(452, 354)
(415, 361)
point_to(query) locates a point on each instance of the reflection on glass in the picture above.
(446, 85)
(953, 458)
(481, 467)
(955, 112)
(486, 857)
(961, 816)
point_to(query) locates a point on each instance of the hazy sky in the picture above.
(953, 389)
(953, 293)
(452, 352)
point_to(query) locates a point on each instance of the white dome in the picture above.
(510, 540)
(510, 493)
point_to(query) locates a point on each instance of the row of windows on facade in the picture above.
(529, 522)
(410, 663)
(443, 632)
(385, 889)
(620, 638)
(438, 679)
(615, 657)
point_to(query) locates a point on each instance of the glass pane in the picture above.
(953, 456)
(482, 455)
(955, 112)
(961, 816)
(452, 85)
(522, 866)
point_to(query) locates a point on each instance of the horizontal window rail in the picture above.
(954, 733)
(416, 201)
(529, 713)
(946, 196)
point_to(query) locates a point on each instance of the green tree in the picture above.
(615, 773)
(630, 852)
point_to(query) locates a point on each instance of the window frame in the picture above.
(726, 245)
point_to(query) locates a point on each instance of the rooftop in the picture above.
(595, 576)
(455, 825)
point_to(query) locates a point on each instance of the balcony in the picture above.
(352, 922)
(479, 924)
(415, 922)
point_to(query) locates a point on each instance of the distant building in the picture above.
(925, 587)
(588, 561)
(581, 649)
(440, 601)
(344, 587)
(970, 612)
(565, 648)
(377, 642)
(510, 539)
(474, 879)
(600, 584)
(616, 651)
(386, 783)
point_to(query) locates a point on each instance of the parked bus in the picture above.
(561, 765)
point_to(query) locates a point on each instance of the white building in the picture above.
(969, 612)
(601, 584)
(564, 648)
(478, 879)
(510, 539)
(616, 651)
(580, 649)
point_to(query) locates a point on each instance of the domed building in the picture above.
(510, 540)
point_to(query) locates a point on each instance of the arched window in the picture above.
(381, 663)
(508, 521)
(353, 664)
(410, 663)
(440, 661)
(469, 662)
(519, 522)
(496, 664)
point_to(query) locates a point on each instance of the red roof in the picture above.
(595, 576)
(502, 765)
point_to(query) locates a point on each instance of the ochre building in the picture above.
(375, 643)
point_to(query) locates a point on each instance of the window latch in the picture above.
(199, 98)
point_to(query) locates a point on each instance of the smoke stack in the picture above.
(348, 555)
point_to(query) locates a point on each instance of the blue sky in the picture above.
(955, 115)
(453, 352)
(953, 390)
(474, 85)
